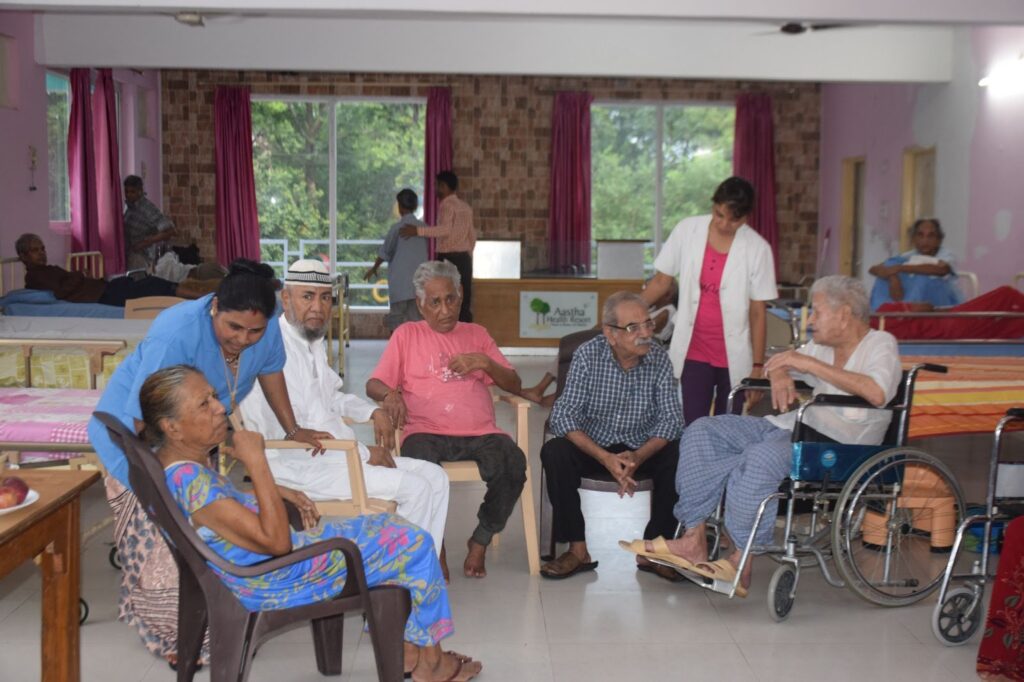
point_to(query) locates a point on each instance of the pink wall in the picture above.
(28, 211)
(24, 210)
(977, 135)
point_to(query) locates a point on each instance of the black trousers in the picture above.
(565, 464)
(121, 289)
(502, 467)
(463, 262)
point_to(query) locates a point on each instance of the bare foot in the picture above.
(692, 546)
(474, 565)
(536, 393)
(448, 666)
(444, 565)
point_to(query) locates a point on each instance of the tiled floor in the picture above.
(611, 624)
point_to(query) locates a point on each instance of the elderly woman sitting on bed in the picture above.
(748, 457)
(184, 419)
(923, 275)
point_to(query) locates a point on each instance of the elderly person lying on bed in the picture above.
(77, 288)
(923, 275)
(750, 456)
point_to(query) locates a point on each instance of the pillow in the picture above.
(29, 296)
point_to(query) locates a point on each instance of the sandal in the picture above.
(662, 571)
(462, 661)
(722, 575)
(661, 553)
(566, 566)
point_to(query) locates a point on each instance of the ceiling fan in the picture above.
(795, 28)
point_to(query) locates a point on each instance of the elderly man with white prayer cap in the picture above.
(420, 488)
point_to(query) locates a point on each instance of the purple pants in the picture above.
(700, 384)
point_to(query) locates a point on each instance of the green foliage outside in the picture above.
(380, 151)
(697, 155)
(58, 98)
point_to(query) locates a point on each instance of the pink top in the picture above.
(708, 341)
(439, 401)
(454, 230)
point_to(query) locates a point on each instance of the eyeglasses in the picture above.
(634, 327)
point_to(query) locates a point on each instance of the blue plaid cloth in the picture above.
(612, 405)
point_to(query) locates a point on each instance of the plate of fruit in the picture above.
(15, 494)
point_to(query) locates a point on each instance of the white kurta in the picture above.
(749, 275)
(420, 488)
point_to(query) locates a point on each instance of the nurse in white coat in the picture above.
(726, 274)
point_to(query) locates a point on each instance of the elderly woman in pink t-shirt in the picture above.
(726, 274)
(434, 380)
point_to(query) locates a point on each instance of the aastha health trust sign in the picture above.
(553, 314)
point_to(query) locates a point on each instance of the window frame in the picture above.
(660, 105)
(332, 170)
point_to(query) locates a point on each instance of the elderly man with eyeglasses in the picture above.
(619, 413)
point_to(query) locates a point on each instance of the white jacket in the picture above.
(749, 275)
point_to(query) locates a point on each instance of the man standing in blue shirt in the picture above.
(403, 257)
(620, 415)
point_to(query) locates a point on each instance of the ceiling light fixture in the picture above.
(194, 19)
(1005, 76)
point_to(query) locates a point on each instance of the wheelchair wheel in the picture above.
(893, 525)
(83, 611)
(955, 620)
(780, 592)
(114, 560)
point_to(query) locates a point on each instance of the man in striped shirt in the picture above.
(455, 236)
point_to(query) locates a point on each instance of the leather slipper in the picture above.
(566, 566)
(661, 552)
(663, 572)
(721, 573)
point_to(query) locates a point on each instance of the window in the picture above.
(653, 165)
(327, 172)
(58, 113)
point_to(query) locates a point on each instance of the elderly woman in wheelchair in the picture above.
(855, 374)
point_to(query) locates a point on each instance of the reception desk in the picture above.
(538, 311)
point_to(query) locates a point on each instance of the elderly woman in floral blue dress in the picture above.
(184, 420)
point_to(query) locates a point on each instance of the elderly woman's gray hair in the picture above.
(159, 398)
(608, 312)
(431, 269)
(840, 290)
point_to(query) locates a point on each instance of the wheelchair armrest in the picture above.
(752, 384)
(842, 401)
(1015, 412)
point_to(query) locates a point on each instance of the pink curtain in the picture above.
(85, 235)
(109, 209)
(754, 160)
(438, 152)
(238, 226)
(569, 206)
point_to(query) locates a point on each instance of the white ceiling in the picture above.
(890, 41)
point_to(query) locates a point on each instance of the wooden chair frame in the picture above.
(148, 307)
(467, 471)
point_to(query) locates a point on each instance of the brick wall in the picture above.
(502, 128)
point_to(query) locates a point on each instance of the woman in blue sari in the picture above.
(184, 419)
(228, 336)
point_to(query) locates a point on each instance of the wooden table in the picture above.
(50, 528)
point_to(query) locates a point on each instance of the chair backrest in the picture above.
(567, 346)
(150, 488)
(148, 307)
(967, 282)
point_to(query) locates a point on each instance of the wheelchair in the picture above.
(883, 515)
(960, 611)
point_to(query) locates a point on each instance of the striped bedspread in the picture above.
(971, 398)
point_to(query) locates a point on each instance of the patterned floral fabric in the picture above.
(1001, 654)
(148, 600)
(394, 552)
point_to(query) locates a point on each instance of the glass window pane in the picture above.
(698, 156)
(623, 149)
(380, 151)
(291, 162)
(58, 112)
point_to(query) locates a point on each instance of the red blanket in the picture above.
(1003, 299)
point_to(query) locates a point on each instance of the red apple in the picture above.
(13, 491)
